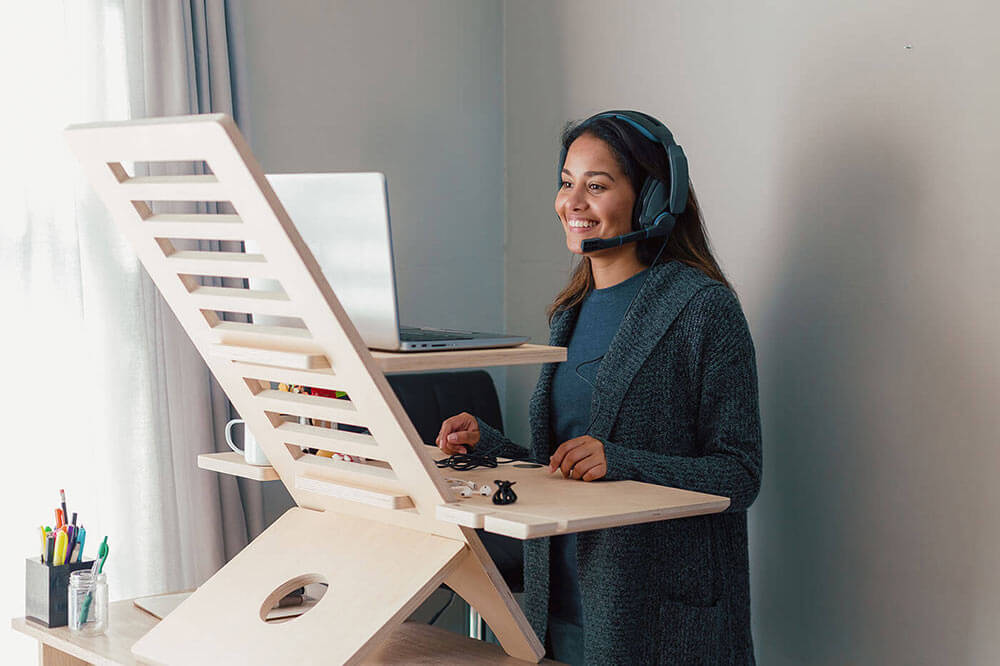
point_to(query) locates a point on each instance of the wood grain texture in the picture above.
(525, 354)
(355, 493)
(234, 463)
(222, 620)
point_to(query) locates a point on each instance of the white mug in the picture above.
(252, 453)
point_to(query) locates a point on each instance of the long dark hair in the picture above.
(639, 157)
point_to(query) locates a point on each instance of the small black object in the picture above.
(46, 600)
(463, 462)
(529, 465)
(504, 493)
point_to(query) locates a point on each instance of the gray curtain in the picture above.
(186, 57)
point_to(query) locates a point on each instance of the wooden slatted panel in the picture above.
(238, 180)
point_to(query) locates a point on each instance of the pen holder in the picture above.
(46, 591)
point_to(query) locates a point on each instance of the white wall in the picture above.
(849, 186)
(413, 89)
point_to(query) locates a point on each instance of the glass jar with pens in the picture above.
(88, 596)
(88, 602)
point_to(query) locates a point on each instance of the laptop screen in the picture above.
(344, 219)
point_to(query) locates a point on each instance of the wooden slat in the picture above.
(311, 406)
(311, 465)
(234, 463)
(201, 226)
(328, 439)
(254, 301)
(282, 338)
(174, 188)
(324, 378)
(354, 493)
(274, 357)
(223, 264)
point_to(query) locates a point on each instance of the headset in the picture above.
(656, 211)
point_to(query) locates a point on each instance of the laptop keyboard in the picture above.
(422, 335)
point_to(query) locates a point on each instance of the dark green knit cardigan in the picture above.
(676, 404)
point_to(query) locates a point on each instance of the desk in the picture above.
(411, 643)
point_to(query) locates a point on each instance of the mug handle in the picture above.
(229, 435)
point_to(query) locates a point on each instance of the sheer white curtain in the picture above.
(102, 392)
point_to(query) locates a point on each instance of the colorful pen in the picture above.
(50, 548)
(80, 541)
(43, 533)
(59, 518)
(62, 499)
(60, 548)
(102, 554)
(70, 542)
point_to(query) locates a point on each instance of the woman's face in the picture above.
(595, 198)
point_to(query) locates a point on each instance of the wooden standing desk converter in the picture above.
(394, 518)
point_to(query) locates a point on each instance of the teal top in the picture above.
(601, 313)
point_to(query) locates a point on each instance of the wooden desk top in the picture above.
(412, 643)
(526, 354)
(549, 504)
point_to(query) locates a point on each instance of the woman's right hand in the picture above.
(458, 434)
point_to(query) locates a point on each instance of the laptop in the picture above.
(344, 219)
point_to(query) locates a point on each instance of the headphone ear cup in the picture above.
(639, 208)
(653, 200)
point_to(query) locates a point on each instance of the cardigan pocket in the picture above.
(688, 570)
(692, 635)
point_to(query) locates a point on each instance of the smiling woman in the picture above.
(672, 402)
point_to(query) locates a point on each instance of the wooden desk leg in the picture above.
(477, 580)
(50, 656)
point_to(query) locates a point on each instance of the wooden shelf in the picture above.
(526, 354)
(233, 463)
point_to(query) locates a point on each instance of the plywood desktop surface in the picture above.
(549, 504)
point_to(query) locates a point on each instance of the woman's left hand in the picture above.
(580, 458)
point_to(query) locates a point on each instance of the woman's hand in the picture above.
(458, 434)
(580, 458)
